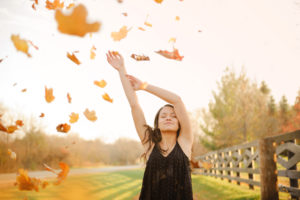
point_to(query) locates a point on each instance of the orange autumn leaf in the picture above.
(171, 55)
(177, 18)
(45, 184)
(69, 98)
(54, 5)
(71, 5)
(107, 98)
(93, 54)
(117, 36)
(101, 83)
(42, 115)
(26, 183)
(148, 24)
(11, 129)
(142, 29)
(158, 1)
(64, 128)
(24, 90)
(12, 154)
(63, 173)
(115, 53)
(73, 117)
(75, 24)
(139, 57)
(20, 44)
(33, 6)
(73, 58)
(19, 123)
(49, 95)
(90, 115)
(125, 14)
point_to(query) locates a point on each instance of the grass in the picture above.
(125, 185)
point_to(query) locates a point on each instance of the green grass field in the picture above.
(125, 185)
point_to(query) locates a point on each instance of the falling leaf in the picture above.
(177, 18)
(142, 29)
(45, 184)
(139, 57)
(199, 31)
(93, 54)
(74, 117)
(107, 98)
(33, 6)
(148, 24)
(158, 1)
(11, 129)
(19, 123)
(49, 95)
(172, 40)
(117, 36)
(125, 14)
(171, 55)
(26, 183)
(12, 154)
(69, 98)
(24, 90)
(75, 24)
(101, 83)
(143, 85)
(115, 53)
(73, 58)
(71, 5)
(90, 115)
(42, 115)
(20, 44)
(63, 174)
(31, 43)
(54, 5)
(14, 84)
(64, 128)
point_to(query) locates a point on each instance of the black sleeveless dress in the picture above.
(167, 178)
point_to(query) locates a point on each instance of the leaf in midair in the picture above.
(101, 83)
(117, 36)
(90, 115)
(49, 95)
(75, 24)
(20, 44)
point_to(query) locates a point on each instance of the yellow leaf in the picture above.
(172, 40)
(117, 36)
(101, 83)
(177, 18)
(148, 24)
(74, 117)
(107, 98)
(90, 115)
(75, 24)
(20, 44)
(49, 95)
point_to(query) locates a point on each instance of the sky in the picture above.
(260, 36)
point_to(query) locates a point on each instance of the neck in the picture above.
(168, 139)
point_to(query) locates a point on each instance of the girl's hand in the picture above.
(115, 60)
(136, 83)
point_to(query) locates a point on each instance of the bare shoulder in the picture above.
(186, 146)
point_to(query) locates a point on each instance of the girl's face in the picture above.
(167, 120)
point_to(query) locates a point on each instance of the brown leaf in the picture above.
(24, 90)
(75, 24)
(26, 183)
(49, 95)
(73, 58)
(42, 115)
(11, 129)
(20, 44)
(90, 115)
(64, 128)
(69, 98)
(139, 57)
(19, 123)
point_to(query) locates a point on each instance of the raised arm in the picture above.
(117, 62)
(175, 100)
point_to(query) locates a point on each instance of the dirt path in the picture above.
(10, 178)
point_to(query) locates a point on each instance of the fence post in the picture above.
(268, 170)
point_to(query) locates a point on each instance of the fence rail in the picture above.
(261, 157)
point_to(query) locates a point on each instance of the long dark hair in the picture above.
(153, 135)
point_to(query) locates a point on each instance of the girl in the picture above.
(167, 146)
